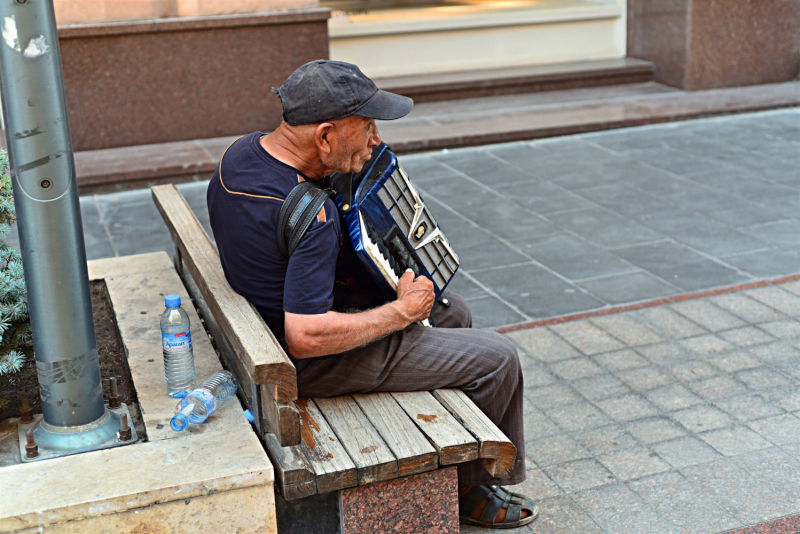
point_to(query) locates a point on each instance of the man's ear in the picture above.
(323, 137)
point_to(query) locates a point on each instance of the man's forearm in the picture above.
(308, 336)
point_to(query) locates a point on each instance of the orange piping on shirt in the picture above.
(236, 192)
(320, 216)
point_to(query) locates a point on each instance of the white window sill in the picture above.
(469, 14)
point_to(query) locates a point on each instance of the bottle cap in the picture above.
(172, 301)
(178, 422)
(249, 416)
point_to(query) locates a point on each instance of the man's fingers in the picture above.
(424, 281)
(405, 278)
(405, 282)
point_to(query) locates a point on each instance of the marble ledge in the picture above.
(110, 481)
(125, 265)
(209, 461)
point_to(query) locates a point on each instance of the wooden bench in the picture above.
(323, 444)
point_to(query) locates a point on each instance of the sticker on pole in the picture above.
(10, 35)
(37, 46)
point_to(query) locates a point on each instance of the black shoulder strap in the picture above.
(298, 213)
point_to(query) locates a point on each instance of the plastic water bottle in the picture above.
(205, 400)
(176, 339)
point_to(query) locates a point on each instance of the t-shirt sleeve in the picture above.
(311, 272)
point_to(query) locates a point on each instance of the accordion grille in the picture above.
(399, 201)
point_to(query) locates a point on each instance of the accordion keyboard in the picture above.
(379, 258)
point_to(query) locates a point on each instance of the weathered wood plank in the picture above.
(332, 465)
(496, 450)
(409, 445)
(283, 389)
(292, 492)
(244, 328)
(294, 473)
(373, 458)
(454, 444)
(280, 418)
(246, 385)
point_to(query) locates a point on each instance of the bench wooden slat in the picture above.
(454, 444)
(410, 446)
(298, 491)
(332, 465)
(295, 474)
(244, 328)
(373, 458)
(280, 418)
(496, 450)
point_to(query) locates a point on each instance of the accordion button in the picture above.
(421, 229)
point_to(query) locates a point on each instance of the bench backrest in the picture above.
(267, 377)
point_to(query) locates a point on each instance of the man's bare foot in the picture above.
(501, 514)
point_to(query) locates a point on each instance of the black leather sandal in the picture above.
(499, 498)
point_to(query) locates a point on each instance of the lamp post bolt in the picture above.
(113, 396)
(124, 428)
(31, 449)
(25, 414)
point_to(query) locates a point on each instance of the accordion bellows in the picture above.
(391, 228)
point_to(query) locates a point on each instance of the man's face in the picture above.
(351, 144)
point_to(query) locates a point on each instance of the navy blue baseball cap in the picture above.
(325, 90)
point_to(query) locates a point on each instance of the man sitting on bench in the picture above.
(329, 112)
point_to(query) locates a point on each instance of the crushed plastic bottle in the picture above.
(206, 399)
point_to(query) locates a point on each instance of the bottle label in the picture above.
(208, 399)
(176, 342)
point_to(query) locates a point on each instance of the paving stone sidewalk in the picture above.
(680, 418)
(577, 223)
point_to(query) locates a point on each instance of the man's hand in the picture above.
(308, 336)
(415, 296)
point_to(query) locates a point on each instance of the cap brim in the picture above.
(386, 106)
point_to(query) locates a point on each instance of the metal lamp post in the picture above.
(51, 238)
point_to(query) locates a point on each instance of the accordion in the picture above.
(390, 227)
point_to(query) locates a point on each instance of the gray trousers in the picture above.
(482, 363)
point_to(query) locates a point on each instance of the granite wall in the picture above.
(703, 44)
(176, 79)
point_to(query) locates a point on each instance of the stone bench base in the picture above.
(420, 503)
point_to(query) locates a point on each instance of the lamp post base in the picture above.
(52, 442)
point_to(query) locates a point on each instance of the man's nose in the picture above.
(375, 138)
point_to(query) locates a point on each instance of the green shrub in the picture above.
(15, 324)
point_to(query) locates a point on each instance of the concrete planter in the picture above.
(209, 479)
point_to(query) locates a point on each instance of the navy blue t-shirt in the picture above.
(245, 196)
